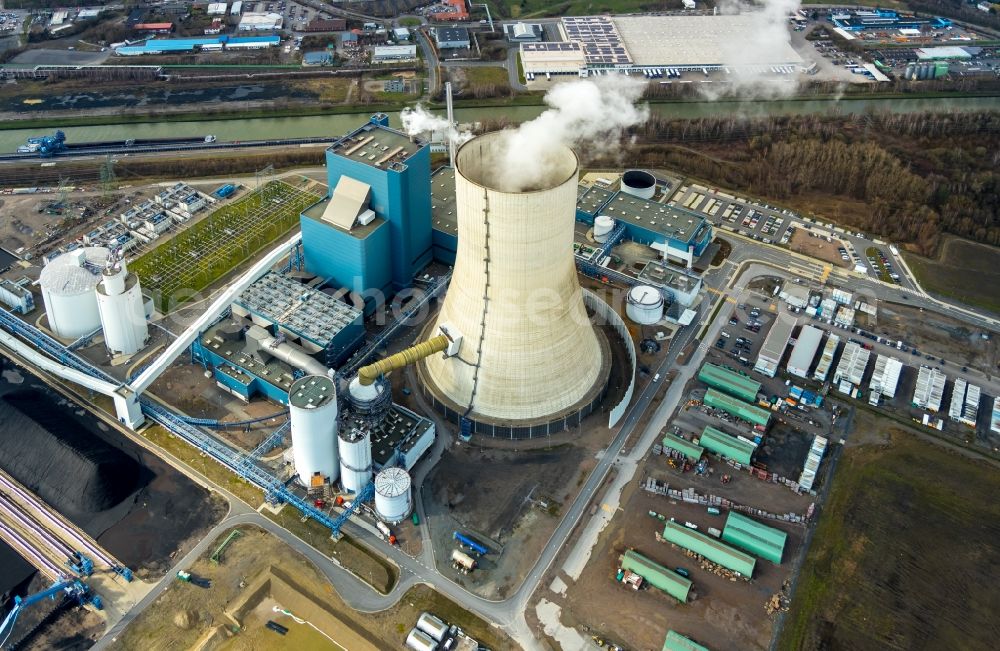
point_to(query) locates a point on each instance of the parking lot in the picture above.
(775, 225)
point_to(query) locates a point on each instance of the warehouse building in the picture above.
(657, 576)
(452, 38)
(773, 348)
(523, 32)
(383, 53)
(712, 549)
(754, 537)
(728, 380)
(723, 444)
(804, 351)
(732, 406)
(677, 642)
(260, 22)
(690, 450)
(561, 58)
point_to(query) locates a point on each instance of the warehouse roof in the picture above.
(738, 408)
(730, 381)
(728, 446)
(693, 451)
(677, 642)
(590, 199)
(766, 542)
(712, 549)
(669, 221)
(378, 146)
(658, 576)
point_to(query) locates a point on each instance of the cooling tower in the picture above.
(528, 352)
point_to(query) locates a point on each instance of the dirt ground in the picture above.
(725, 614)
(198, 609)
(941, 336)
(901, 552)
(805, 242)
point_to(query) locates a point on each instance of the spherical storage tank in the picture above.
(355, 447)
(603, 225)
(392, 495)
(312, 406)
(639, 183)
(68, 291)
(644, 305)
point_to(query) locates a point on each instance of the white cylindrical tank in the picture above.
(312, 407)
(432, 626)
(68, 284)
(123, 317)
(644, 305)
(639, 183)
(420, 641)
(603, 225)
(355, 448)
(393, 501)
(528, 350)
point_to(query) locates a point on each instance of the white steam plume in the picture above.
(585, 112)
(766, 41)
(420, 122)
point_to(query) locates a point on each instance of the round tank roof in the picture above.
(645, 296)
(392, 482)
(76, 272)
(312, 391)
(487, 161)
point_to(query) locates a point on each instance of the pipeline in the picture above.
(368, 374)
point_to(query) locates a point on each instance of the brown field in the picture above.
(817, 247)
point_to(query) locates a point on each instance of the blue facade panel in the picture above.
(403, 199)
(256, 386)
(358, 264)
(445, 247)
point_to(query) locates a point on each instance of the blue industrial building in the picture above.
(678, 234)
(857, 21)
(209, 44)
(373, 231)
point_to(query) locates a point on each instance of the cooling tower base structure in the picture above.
(529, 361)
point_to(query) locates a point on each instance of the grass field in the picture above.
(199, 255)
(902, 553)
(965, 271)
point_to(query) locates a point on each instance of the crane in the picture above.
(72, 587)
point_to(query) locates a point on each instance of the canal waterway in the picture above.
(333, 125)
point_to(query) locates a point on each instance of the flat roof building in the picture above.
(804, 351)
(852, 364)
(732, 406)
(657, 576)
(929, 391)
(382, 53)
(452, 38)
(728, 380)
(712, 549)
(260, 22)
(773, 348)
(677, 642)
(826, 358)
(560, 58)
(885, 377)
(523, 32)
(723, 444)
(754, 537)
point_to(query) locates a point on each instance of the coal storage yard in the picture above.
(138, 507)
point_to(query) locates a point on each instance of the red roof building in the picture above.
(457, 11)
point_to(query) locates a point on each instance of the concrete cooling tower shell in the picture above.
(528, 352)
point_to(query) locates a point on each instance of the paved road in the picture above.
(431, 61)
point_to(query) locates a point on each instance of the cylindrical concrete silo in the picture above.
(68, 284)
(355, 447)
(528, 351)
(639, 183)
(312, 408)
(392, 495)
(644, 305)
(119, 302)
(603, 225)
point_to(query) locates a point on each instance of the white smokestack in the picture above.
(451, 121)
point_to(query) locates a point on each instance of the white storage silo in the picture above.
(393, 501)
(119, 302)
(312, 407)
(639, 183)
(514, 254)
(603, 225)
(355, 448)
(68, 284)
(644, 305)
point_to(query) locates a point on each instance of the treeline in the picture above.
(958, 9)
(823, 89)
(913, 176)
